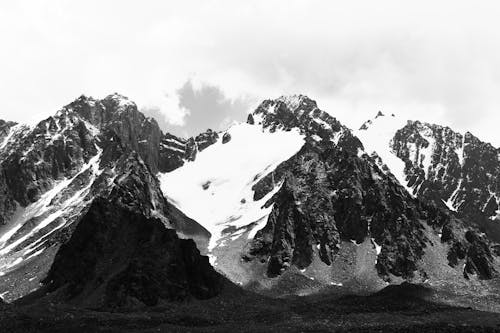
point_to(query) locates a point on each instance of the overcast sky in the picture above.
(197, 64)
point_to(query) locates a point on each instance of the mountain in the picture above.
(295, 203)
(461, 169)
(51, 174)
(437, 164)
(116, 257)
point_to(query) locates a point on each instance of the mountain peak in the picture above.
(87, 106)
(290, 111)
(293, 102)
(119, 100)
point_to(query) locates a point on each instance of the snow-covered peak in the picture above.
(376, 135)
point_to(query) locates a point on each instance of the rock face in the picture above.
(32, 159)
(161, 152)
(299, 111)
(117, 257)
(330, 195)
(174, 151)
(51, 174)
(458, 170)
(120, 115)
(5, 127)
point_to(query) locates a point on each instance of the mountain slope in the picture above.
(117, 257)
(438, 163)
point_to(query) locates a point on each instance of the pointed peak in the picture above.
(379, 114)
(82, 99)
(119, 100)
(287, 104)
(293, 102)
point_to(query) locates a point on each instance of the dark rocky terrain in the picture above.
(460, 170)
(405, 308)
(117, 257)
(333, 193)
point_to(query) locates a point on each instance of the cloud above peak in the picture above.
(200, 106)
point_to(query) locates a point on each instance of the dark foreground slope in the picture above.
(405, 308)
(117, 257)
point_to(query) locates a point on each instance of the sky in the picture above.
(205, 64)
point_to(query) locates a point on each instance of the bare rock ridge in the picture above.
(161, 152)
(175, 151)
(447, 166)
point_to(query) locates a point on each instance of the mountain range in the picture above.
(100, 209)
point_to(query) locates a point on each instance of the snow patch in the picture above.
(378, 248)
(451, 200)
(376, 138)
(172, 148)
(51, 212)
(232, 168)
(11, 133)
(460, 151)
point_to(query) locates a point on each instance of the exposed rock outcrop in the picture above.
(117, 257)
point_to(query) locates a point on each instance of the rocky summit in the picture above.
(103, 212)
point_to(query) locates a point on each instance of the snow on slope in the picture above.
(45, 211)
(376, 136)
(6, 139)
(216, 188)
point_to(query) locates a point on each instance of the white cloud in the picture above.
(433, 60)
